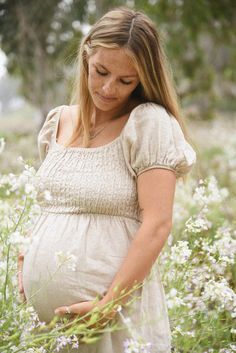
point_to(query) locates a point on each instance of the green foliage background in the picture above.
(41, 39)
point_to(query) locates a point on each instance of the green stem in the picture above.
(8, 254)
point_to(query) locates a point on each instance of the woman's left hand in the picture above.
(84, 308)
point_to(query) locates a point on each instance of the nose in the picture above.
(109, 88)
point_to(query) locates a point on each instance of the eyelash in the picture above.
(104, 74)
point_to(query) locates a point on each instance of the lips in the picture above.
(105, 99)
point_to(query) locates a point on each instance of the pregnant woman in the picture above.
(110, 161)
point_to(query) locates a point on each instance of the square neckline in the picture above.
(77, 148)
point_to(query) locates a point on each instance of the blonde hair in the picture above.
(135, 32)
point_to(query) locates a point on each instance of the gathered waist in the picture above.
(78, 212)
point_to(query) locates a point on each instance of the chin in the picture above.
(103, 105)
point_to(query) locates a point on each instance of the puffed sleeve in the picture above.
(152, 138)
(46, 132)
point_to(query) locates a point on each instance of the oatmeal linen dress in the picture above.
(94, 214)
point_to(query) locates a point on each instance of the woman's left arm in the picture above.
(156, 190)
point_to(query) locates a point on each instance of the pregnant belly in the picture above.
(74, 258)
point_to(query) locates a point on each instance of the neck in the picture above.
(101, 117)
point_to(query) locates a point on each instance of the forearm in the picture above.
(143, 252)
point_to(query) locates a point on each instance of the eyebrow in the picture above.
(109, 71)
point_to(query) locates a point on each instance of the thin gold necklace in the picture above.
(93, 135)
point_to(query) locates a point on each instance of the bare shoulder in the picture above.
(66, 122)
(68, 113)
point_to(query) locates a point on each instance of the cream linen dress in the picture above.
(94, 214)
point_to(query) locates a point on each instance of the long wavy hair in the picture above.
(136, 33)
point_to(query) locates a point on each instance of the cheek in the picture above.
(126, 91)
(94, 81)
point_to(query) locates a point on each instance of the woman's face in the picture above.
(111, 79)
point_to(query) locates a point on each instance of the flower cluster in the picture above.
(66, 258)
(132, 345)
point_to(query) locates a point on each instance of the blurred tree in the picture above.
(199, 37)
(41, 40)
(103, 6)
(37, 37)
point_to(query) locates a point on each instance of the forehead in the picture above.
(114, 59)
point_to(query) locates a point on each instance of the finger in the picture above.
(23, 298)
(20, 260)
(21, 257)
(23, 295)
(75, 309)
(21, 291)
(19, 270)
(20, 283)
(62, 310)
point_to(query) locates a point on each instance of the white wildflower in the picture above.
(221, 293)
(119, 308)
(197, 224)
(68, 258)
(208, 192)
(126, 320)
(2, 144)
(225, 244)
(29, 188)
(173, 301)
(36, 350)
(173, 292)
(62, 341)
(17, 238)
(180, 252)
(136, 346)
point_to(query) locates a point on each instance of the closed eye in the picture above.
(101, 73)
(105, 73)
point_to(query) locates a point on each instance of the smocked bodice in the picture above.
(88, 181)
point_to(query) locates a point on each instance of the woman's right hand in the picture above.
(19, 275)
